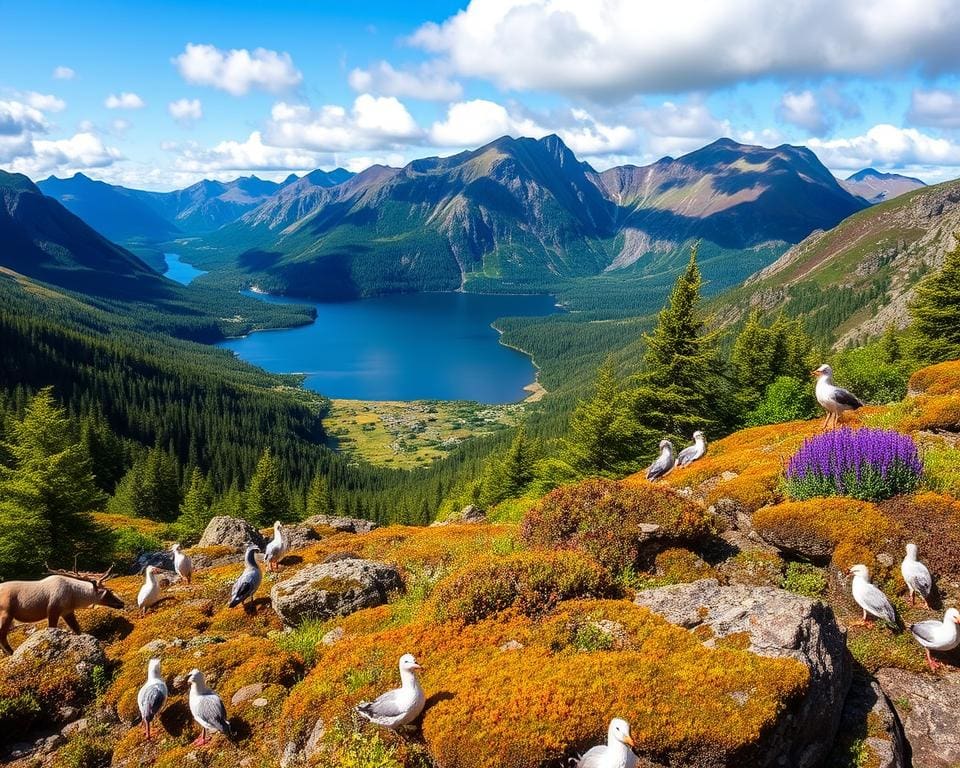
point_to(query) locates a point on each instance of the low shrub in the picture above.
(941, 469)
(529, 582)
(786, 399)
(931, 412)
(940, 379)
(867, 464)
(129, 543)
(805, 579)
(604, 518)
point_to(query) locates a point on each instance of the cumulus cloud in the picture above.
(124, 100)
(45, 102)
(63, 73)
(249, 155)
(17, 118)
(427, 82)
(621, 47)
(471, 123)
(886, 146)
(237, 71)
(936, 108)
(79, 152)
(803, 110)
(185, 111)
(374, 122)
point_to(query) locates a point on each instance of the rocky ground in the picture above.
(707, 611)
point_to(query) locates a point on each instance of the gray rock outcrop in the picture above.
(927, 705)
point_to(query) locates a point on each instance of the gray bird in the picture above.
(249, 582)
(152, 695)
(693, 452)
(916, 576)
(833, 399)
(664, 463)
(207, 709)
(400, 707)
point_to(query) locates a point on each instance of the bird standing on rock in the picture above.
(400, 707)
(276, 549)
(664, 463)
(936, 635)
(182, 563)
(150, 591)
(870, 597)
(833, 399)
(152, 695)
(249, 582)
(207, 709)
(917, 576)
(693, 452)
(617, 752)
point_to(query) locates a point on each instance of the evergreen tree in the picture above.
(318, 497)
(266, 497)
(752, 359)
(106, 451)
(890, 346)
(936, 312)
(508, 476)
(197, 507)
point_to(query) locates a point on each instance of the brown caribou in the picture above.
(52, 598)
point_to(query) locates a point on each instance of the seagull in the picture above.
(664, 463)
(936, 635)
(182, 563)
(616, 753)
(207, 709)
(401, 706)
(693, 452)
(276, 549)
(917, 576)
(152, 695)
(870, 597)
(150, 591)
(246, 586)
(833, 399)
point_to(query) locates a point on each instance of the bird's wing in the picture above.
(926, 631)
(246, 585)
(272, 549)
(660, 467)
(151, 699)
(877, 603)
(386, 706)
(687, 455)
(846, 398)
(210, 709)
(921, 579)
(593, 758)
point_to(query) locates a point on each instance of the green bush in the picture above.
(786, 399)
(804, 579)
(128, 544)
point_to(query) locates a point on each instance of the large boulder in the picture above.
(333, 589)
(224, 531)
(927, 705)
(777, 624)
(341, 524)
(162, 559)
(299, 536)
(869, 724)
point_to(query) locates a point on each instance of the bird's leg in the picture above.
(146, 724)
(826, 420)
(934, 665)
(913, 597)
(201, 739)
(866, 621)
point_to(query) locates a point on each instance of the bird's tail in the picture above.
(363, 709)
(234, 602)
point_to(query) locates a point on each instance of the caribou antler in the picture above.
(106, 574)
(94, 578)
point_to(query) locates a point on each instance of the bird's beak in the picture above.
(628, 740)
(957, 620)
(814, 373)
(416, 666)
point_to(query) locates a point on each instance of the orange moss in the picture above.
(680, 566)
(932, 522)
(931, 412)
(489, 707)
(939, 379)
(139, 524)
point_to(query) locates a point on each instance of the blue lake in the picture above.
(180, 271)
(425, 346)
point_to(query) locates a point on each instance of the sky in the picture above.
(159, 95)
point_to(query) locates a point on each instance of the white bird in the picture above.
(693, 452)
(152, 695)
(277, 548)
(401, 706)
(150, 591)
(917, 576)
(182, 563)
(833, 399)
(617, 752)
(870, 597)
(246, 586)
(936, 635)
(207, 709)
(664, 463)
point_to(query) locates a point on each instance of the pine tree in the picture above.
(936, 312)
(266, 497)
(507, 477)
(318, 497)
(890, 345)
(197, 507)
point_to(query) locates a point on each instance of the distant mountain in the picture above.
(875, 187)
(525, 213)
(117, 213)
(855, 280)
(43, 240)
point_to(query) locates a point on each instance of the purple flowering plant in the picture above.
(866, 464)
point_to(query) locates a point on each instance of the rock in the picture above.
(341, 524)
(927, 706)
(336, 557)
(295, 754)
(299, 536)
(260, 702)
(162, 560)
(733, 512)
(472, 514)
(333, 589)
(246, 693)
(223, 531)
(77, 726)
(154, 646)
(778, 624)
(868, 719)
(67, 714)
(334, 636)
(511, 645)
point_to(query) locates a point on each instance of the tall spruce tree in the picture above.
(318, 497)
(197, 507)
(266, 497)
(936, 312)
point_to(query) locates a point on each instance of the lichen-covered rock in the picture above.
(162, 560)
(774, 623)
(341, 524)
(224, 531)
(333, 589)
(927, 706)
(869, 724)
(300, 536)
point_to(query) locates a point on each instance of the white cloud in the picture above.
(620, 47)
(677, 128)
(63, 73)
(45, 102)
(124, 100)
(79, 152)
(427, 82)
(936, 108)
(803, 110)
(472, 123)
(249, 155)
(886, 146)
(120, 126)
(238, 70)
(185, 111)
(17, 118)
(372, 123)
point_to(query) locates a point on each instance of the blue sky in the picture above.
(160, 95)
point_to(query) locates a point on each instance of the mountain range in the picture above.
(876, 187)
